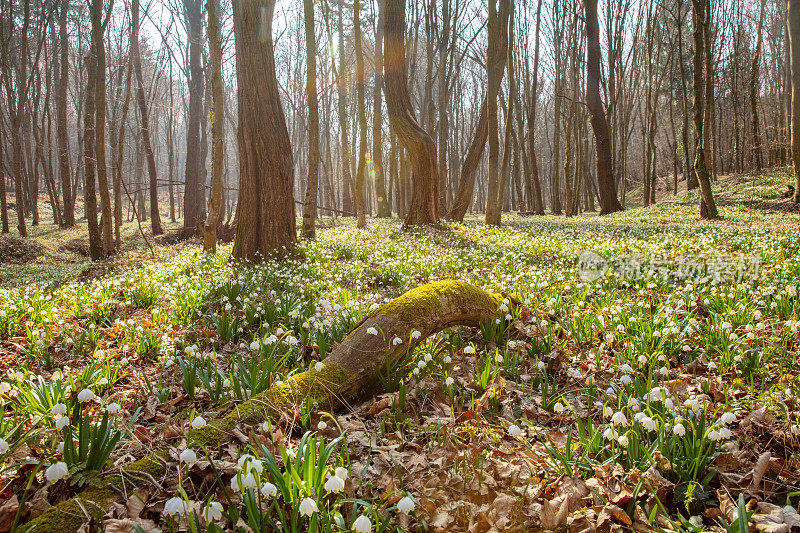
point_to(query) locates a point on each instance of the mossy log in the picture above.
(350, 371)
(353, 367)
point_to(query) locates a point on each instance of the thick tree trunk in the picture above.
(708, 208)
(609, 203)
(312, 184)
(265, 212)
(794, 47)
(64, 172)
(418, 143)
(193, 194)
(217, 133)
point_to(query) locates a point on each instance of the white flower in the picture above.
(498, 357)
(362, 525)
(188, 456)
(514, 430)
(416, 334)
(62, 422)
(372, 331)
(199, 422)
(113, 407)
(619, 418)
(308, 507)
(679, 430)
(334, 484)
(319, 366)
(727, 418)
(269, 490)
(254, 346)
(248, 463)
(607, 411)
(59, 409)
(322, 426)
(449, 381)
(397, 341)
(649, 424)
(623, 441)
(175, 506)
(212, 512)
(3, 446)
(241, 483)
(56, 471)
(469, 349)
(406, 505)
(85, 395)
(559, 407)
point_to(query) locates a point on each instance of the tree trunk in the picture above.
(118, 163)
(98, 43)
(89, 164)
(708, 209)
(794, 47)
(347, 178)
(361, 108)
(605, 174)
(538, 203)
(265, 212)
(64, 172)
(497, 37)
(312, 184)
(192, 193)
(382, 193)
(754, 84)
(217, 132)
(420, 145)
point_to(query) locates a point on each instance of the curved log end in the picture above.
(419, 306)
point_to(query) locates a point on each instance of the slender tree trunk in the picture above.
(120, 151)
(605, 173)
(754, 84)
(794, 52)
(89, 164)
(538, 203)
(362, 116)
(265, 212)
(708, 209)
(382, 193)
(310, 204)
(64, 171)
(217, 132)
(420, 145)
(347, 178)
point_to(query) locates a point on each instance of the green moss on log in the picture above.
(425, 301)
(69, 516)
(320, 386)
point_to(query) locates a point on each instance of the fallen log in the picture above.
(352, 370)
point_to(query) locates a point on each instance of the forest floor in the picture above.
(648, 381)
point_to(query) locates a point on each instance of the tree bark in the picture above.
(155, 215)
(89, 164)
(361, 109)
(609, 203)
(708, 209)
(64, 171)
(193, 194)
(381, 192)
(538, 203)
(312, 184)
(217, 132)
(794, 52)
(101, 165)
(418, 143)
(265, 212)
